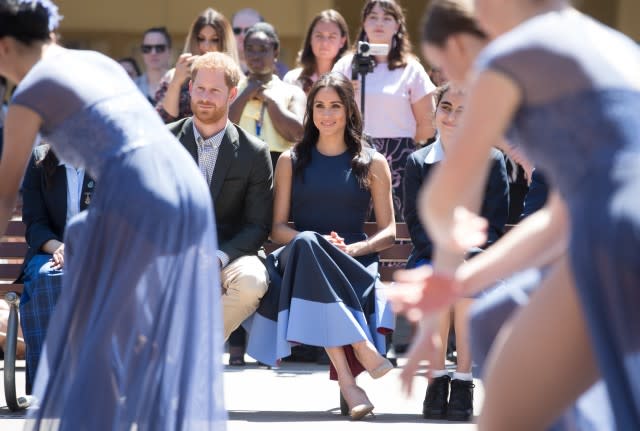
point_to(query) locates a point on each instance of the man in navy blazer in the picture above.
(237, 167)
(495, 205)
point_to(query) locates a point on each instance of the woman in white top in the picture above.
(326, 41)
(398, 101)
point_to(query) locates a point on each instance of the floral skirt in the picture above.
(397, 151)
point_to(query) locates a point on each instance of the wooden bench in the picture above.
(12, 251)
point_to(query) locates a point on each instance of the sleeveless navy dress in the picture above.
(319, 295)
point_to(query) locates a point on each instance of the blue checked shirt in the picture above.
(208, 150)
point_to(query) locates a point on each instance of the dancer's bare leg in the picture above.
(444, 324)
(463, 342)
(542, 362)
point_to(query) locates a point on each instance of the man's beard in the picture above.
(212, 115)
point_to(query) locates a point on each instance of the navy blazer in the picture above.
(241, 188)
(495, 207)
(44, 210)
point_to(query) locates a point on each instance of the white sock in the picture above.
(439, 373)
(467, 377)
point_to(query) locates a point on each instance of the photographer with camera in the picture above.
(396, 91)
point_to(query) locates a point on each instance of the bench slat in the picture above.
(386, 273)
(15, 228)
(13, 250)
(10, 271)
(398, 252)
(402, 232)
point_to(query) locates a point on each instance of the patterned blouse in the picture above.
(184, 105)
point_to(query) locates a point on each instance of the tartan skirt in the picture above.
(42, 286)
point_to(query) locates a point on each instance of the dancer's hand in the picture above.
(58, 258)
(426, 345)
(468, 230)
(420, 291)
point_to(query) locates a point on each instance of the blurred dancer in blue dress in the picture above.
(135, 340)
(573, 105)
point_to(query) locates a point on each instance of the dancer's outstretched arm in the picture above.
(538, 240)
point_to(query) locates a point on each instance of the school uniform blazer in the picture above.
(44, 209)
(495, 206)
(241, 188)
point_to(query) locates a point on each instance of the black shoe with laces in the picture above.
(460, 401)
(435, 400)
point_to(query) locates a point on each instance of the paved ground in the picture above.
(298, 397)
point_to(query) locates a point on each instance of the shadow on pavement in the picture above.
(326, 416)
(5, 413)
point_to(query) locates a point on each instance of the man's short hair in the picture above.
(218, 60)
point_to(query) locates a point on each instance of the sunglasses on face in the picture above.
(240, 30)
(159, 49)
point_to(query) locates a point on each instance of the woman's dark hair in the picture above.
(132, 61)
(266, 28)
(162, 30)
(306, 59)
(360, 161)
(46, 160)
(445, 18)
(400, 49)
(214, 19)
(27, 22)
(439, 93)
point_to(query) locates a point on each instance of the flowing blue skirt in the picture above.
(135, 341)
(319, 296)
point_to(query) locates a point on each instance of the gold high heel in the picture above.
(358, 402)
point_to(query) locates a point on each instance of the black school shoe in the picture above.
(435, 400)
(460, 401)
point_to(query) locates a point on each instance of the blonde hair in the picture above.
(218, 61)
(214, 19)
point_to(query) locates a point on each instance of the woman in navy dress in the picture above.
(324, 283)
(135, 339)
(573, 105)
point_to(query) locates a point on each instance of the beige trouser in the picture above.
(245, 281)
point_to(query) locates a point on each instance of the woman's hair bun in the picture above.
(28, 20)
